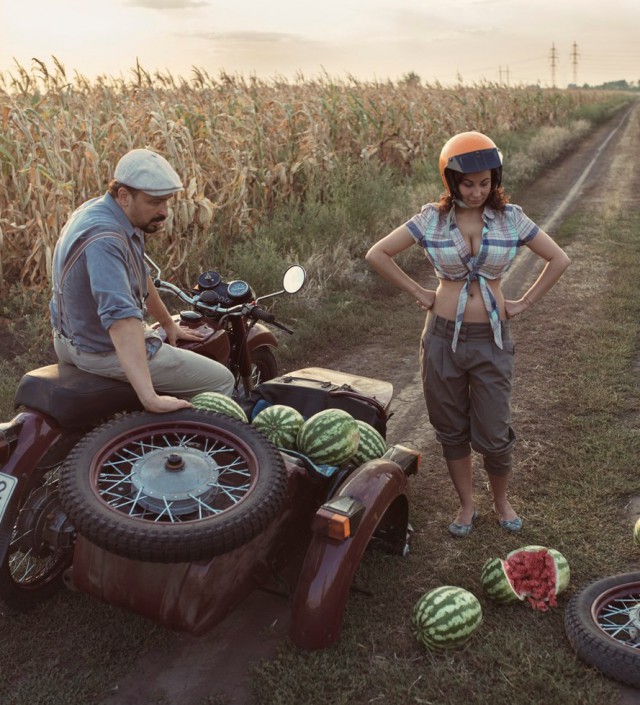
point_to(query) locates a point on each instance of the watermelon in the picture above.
(636, 532)
(534, 573)
(280, 424)
(372, 445)
(215, 401)
(329, 437)
(446, 617)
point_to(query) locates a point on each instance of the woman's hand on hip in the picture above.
(515, 308)
(425, 298)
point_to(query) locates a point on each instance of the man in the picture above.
(102, 290)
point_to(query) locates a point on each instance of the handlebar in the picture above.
(251, 310)
(261, 315)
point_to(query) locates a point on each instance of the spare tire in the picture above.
(176, 487)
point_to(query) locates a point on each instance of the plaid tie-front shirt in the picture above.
(503, 232)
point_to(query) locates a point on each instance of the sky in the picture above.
(545, 42)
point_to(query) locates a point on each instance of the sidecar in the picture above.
(178, 517)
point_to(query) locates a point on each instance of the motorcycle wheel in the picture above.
(602, 623)
(263, 365)
(176, 487)
(31, 569)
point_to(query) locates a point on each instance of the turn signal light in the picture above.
(339, 518)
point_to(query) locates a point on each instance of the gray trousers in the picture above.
(174, 371)
(468, 393)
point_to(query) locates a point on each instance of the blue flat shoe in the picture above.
(511, 524)
(462, 530)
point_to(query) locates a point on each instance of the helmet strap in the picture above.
(460, 203)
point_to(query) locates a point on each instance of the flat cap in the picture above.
(147, 171)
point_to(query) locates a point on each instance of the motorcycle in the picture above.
(602, 623)
(231, 319)
(179, 516)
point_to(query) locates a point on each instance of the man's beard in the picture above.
(153, 225)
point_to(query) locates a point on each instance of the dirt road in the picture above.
(187, 670)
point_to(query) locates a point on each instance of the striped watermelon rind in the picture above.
(636, 532)
(280, 424)
(372, 445)
(446, 617)
(496, 583)
(329, 437)
(216, 401)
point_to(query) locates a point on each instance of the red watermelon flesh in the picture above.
(533, 574)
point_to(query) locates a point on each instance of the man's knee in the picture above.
(226, 382)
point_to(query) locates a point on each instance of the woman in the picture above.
(470, 237)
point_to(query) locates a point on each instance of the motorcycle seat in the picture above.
(74, 398)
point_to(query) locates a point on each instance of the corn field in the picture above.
(242, 146)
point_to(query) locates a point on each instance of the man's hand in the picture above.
(176, 332)
(164, 404)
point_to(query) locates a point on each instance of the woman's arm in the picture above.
(557, 262)
(380, 257)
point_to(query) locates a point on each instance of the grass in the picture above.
(575, 411)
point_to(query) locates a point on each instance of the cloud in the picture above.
(167, 4)
(248, 37)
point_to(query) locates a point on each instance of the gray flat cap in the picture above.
(147, 171)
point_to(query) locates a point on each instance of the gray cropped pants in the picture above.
(181, 373)
(468, 393)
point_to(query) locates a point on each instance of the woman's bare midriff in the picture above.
(448, 292)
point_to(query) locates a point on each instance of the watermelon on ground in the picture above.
(216, 401)
(280, 424)
(446, 617)
(534, 573)
(329, 437)
(372, 445)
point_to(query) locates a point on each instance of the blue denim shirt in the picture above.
(106, 283)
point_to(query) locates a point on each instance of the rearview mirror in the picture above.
(293, 279)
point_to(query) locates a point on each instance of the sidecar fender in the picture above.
(375, 495)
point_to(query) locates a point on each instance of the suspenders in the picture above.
(73, 258)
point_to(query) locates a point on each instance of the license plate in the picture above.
(7, 485)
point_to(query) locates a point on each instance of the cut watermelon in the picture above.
(533, 573)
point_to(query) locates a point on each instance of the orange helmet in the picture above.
(469, 153)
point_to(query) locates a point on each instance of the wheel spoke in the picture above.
(133, 477)
(619, 619)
